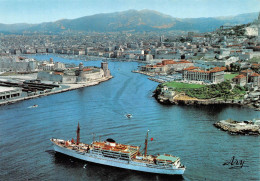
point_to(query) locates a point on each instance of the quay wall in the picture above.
(69, 87)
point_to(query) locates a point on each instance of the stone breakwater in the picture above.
(151, 74)
(235, 127)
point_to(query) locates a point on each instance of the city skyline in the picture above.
(33, 12)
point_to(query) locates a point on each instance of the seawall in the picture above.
(69, 87)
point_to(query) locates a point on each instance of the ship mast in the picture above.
(145, 143)
(78, 134)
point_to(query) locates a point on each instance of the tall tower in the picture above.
(81, 66)
(162, 38)
(51, 60)
(104, 66)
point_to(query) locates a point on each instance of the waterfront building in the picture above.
(134, 52)
(75, 75)
(162, 38)
(17, 51)
(168, 55)
(108, 54)
(104, 66)
(148, 57)
(256, 67)
(79, 52)
(167, 65)
(129, 56)
(50, 50)
(158, 68)
(249, 77)
(29, 51)
(9, 93)
(59, 66)
(240, 80)
(41, 50)
(247, 73)
(47, 66)
(214, 75)
(17, 64)
(255, 79)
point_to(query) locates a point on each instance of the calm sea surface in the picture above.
(185, 131)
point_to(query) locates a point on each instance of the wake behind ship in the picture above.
(119, 155)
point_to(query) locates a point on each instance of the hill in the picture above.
(131, 20)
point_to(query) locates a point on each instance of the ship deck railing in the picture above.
(151, 164)
(82, 147)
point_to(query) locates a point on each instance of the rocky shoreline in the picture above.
(235, 127)
(193, 101)
(182, 99)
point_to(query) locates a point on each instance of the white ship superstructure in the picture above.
(118, 155)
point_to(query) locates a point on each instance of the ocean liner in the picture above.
(119, 155)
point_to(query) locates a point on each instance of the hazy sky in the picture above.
(37, 11)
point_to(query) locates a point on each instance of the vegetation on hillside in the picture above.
(238, 30)
(229, 76)
(254, 60)
(222, 90)
(182, 85)
(234, 67)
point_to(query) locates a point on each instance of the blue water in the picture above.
(184, 131)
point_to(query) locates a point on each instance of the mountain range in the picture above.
(131, 20)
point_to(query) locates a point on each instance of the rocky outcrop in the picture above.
(162, 96)
(186, 100)
(235, 127)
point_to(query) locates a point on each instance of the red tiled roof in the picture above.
(239, 76)
(247, 71)
(255, 65)
(154, 66)
(86, 69)
(218, 69)
(215, 69)
(185, 61)
(58, 73)
(255, 75)
(191, 68)
(21, 58)
(166, 62)
(201, 71)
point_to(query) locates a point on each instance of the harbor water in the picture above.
(184, 131)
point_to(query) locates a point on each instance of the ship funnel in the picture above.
(78, 134)
(111, 142)
(146, 144)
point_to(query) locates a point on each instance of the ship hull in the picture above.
(130, 165)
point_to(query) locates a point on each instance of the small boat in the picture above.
(128, 115)
(34, 106)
